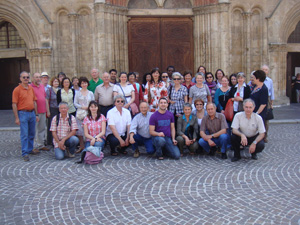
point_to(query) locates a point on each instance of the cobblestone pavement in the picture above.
(123, 190)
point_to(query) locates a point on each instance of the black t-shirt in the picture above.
(260, 98)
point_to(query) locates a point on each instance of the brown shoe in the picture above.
(34, 152)
(45, 148)
(136, 153)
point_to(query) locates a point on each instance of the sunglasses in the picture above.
(209, 77)
(25, 77)
(164, 77)
(118, 101)
(176, 79)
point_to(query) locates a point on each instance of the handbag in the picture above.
(133, 107)
(269, 114)
(81, 114)
(228, 112)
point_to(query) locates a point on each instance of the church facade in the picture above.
(136, 35)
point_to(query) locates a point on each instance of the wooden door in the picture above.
(160, 42)
(10, 71)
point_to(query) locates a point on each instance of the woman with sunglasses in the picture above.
(155, 89)
(178, 95)
(209, 81)
(165, 78)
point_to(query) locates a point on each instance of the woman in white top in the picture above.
(125, 89)
(81, 102)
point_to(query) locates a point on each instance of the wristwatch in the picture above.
(212, 135)
(254, 142)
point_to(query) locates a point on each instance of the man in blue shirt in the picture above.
(139, 131)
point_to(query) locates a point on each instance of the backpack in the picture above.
(90, 158)
(69, 120)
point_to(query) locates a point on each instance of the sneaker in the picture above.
(136, 153)
(224, 156)
(26, 158)
(69, 154)
(254, 156)
(34, 152)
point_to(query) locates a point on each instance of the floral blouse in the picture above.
(157, 91)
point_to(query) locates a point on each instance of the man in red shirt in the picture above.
(25, 111)
(43, 112)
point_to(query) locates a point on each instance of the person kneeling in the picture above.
(187, 127)
(247, 129)
(139, 131)
(162, 130)
(63, 127)
(215, 124)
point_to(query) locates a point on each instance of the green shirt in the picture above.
(93, 85)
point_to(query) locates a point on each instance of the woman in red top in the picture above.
(94, 125)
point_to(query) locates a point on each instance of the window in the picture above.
(9, 36)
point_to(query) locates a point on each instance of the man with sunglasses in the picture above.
(25, 111)
(118, 126)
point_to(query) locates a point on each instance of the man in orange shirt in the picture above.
(25, 111)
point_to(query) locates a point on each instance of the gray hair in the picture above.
(23, 72)
(211, 103)
(248, 100)
(106, 73)
(144, 102)
(118, 97)
(240, 74)
(187, 105)
(265, 65)
(95, 69)
(63, 103)
(176, 74)
(198, 74)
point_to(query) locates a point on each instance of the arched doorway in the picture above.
(12, 61)
(293, 62)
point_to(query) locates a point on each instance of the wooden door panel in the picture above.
(160, 42)
(177, 43)
(144, 44)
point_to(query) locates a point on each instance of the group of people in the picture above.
(167, 113)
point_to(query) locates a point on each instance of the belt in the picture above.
(27, 110)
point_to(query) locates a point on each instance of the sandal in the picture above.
(160, 158)
(79, 150)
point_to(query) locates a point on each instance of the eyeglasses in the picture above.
(118, 101)
(25, 77)
(198, 104)
(176, 79)
(164, 77)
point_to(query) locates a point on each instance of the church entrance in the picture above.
(160, 42)
(10, 70)
(293, 67)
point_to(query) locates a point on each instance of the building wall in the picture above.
(75, 36)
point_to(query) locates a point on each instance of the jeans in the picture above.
(236, 141)
(139, 140)
(27, 131)
(98, 144)
(114, 142)
(40, 131)
(71, 143)
(165, 142)
(220, 141)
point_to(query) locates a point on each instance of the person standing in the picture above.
(269, 83)
(162, 130)
(104, 94)
(95, 81)
(113, 76)
(25, 112)
(43, 112)
(45, 80)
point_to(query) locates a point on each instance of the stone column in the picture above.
(277, 57)
(211, 26)
(247, 43)
(73, 17)
(40, 60)
(112, 36)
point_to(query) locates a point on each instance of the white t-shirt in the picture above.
(119, 121)
(128, 89)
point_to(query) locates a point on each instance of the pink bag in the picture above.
(90, 158)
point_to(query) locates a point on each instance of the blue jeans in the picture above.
(72, 142)
(97, 144)
(139, 140)
(165, 142)
(220, 141)
(27, 131)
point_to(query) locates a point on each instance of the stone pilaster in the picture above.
(73, 17)
(40, 60)
(112, 37)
